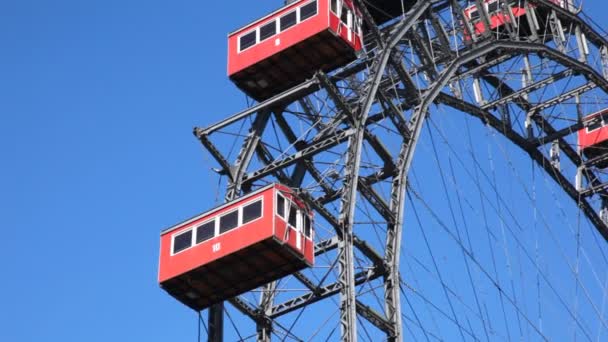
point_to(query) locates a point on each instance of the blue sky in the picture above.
(97, 104)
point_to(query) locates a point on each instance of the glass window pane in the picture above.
(288, 20)
(293, 211)
(493, 7)
(344, 16)
(307, 226)
(252, 211)
(281, 206)
(229, 221)
(308, 11)
(247, 40)
(268, 30)
(474, 14)
(205, 231)
(182, 241)
(334, 6)
(594, 126)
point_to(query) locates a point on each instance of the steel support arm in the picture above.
(324, 292)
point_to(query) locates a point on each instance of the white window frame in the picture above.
(192, 240)
(287, 213)
(238, 220)
(299, 221)
(300, 8)
(338, 3)
(350, 24)
(297, 11)
(241, 207)
(285, 201)
(310, 221)
(602, 124)
(498, 9)
(344, 7)
(215, 229)
(257, 39)
(276, 31)
(277, 21)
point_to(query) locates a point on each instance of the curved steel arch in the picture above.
(434, 93)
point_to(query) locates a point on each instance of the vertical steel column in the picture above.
(346, 278)
(216, 312)
(245, 154)
(392, 297)
(216, 323)
(264, 327)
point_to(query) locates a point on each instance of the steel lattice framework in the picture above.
(327, 146)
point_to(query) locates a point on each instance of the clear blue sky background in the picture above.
(97, 103)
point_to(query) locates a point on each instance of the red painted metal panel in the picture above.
(499, 18)
(299, 243)
(595, 137)
(353, 38)
(308, 28)
(229, 242)
(238, 61)
(240, 259)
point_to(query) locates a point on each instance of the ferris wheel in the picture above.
(406, 170)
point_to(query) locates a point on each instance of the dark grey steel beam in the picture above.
(346, 277)
(371, 24)
(395, 115)
(244, 308)
(572, 19)
(542, 123)
(324, 292)
(246, 153)
(375, 200)
(515, 95)
(277, 167)
(375, 318)
(304, 164)
(279, 100)
(562, 97)
(442, 36)
(216, 311)
(558, 134)
(326, 246)
(340, 103)
(306, 152)
(215, 153)
(536, 155)
(369, 252)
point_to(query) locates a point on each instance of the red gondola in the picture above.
(593, 139)
(288, 46)
(498, 17)
(236, 247)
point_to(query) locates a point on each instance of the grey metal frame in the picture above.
(406, 104)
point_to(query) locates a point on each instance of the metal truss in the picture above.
(330, 151)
